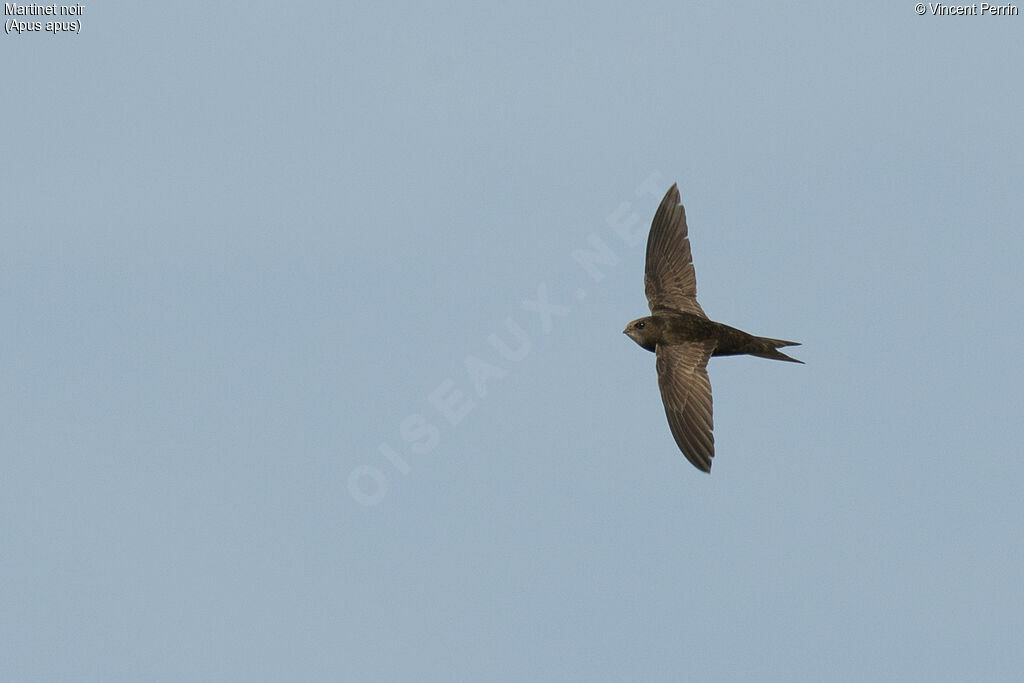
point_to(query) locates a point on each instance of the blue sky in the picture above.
(305, 378)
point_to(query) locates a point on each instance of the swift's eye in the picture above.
(640, 326)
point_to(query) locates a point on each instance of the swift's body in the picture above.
(682, 336)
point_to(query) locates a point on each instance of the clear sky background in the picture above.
(253, 258)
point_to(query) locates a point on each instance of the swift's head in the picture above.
(644, 331)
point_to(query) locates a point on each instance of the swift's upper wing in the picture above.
(669, 278)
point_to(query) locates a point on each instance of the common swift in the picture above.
(683, 338)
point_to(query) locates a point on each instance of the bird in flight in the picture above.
(683, 338)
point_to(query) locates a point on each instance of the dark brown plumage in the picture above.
(683, 338)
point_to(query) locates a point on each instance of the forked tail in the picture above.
(768, 348)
